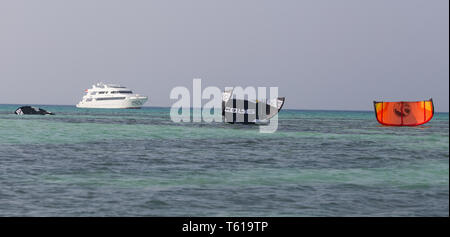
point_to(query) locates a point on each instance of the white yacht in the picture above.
(111, 96)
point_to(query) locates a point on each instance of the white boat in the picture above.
(111, 96)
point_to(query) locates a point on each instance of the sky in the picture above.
(321, 54)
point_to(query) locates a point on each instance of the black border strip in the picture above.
(276, 225)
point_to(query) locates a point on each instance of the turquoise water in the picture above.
(95, 162)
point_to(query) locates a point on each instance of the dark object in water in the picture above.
(31, 110)
(249, 112)
(404, 113)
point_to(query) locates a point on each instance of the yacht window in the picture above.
(121, 92)
(111, 98)
(93, 93)
(88, 100)
(102, 92)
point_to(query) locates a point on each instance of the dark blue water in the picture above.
(84, 162)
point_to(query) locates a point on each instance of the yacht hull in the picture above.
(127, 103)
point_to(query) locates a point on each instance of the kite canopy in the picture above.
(249, 111)
(31, 110)
(404, 113)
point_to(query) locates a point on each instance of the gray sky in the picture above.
(322, 54)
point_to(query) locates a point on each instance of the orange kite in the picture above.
(404, 113)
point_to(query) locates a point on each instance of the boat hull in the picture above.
(127, 103)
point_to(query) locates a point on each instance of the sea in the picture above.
(106, 162)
